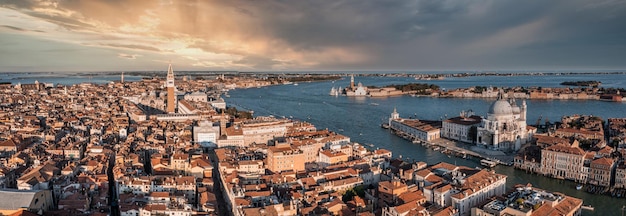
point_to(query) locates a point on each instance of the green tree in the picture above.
(348, 195)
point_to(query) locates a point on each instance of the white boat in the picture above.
(578, 187)
(488, 163)
(334, 91)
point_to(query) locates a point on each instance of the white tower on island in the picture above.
(352, 82)
(394, 115)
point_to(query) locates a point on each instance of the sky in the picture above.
(316, 35)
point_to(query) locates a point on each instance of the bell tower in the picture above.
(171, 97)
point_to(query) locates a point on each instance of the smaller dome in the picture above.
(501, 107)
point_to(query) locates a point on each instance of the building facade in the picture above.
(206, 134)
(561, 161)
(415, 129)
(600, 171)
(460, 128)
(505, 126)
(284, 158)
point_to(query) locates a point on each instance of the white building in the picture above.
(123, 133)
(218, 103)
(206, 133)
(505, 126)
(476, 189)
(196, 97)
(413, 128)
(459, 128)
(360, 90)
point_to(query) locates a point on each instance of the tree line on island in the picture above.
(418, 88)
(590, 83)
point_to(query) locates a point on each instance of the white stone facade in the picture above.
(505, 126)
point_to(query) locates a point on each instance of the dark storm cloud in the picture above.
(394, 30)
(19, 4)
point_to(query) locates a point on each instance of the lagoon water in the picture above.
(360, 118)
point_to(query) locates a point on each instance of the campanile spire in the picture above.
(171, 97)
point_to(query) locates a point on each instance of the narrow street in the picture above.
(113, 199)
(217, 186)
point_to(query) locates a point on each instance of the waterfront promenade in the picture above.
(466, 150)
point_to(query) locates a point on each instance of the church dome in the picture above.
(501, 107)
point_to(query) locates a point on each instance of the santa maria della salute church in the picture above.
(505, 126)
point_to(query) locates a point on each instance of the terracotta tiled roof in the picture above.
(603, 161)
(8, 143)
(566, 149)
(159, 194)
(408, 207)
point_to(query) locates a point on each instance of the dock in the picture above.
(587, 207)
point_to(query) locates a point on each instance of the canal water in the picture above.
(360, 118)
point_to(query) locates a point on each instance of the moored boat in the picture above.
(488, 163)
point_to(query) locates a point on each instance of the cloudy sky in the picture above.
(284, 35)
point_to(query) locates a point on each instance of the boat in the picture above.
(488, 163)
(296, 84)
(374, 104)
(334, 91)
(578, 187)
(385, 125)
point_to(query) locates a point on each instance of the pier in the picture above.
(587, 207)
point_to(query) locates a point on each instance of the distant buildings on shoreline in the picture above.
(532, 93)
